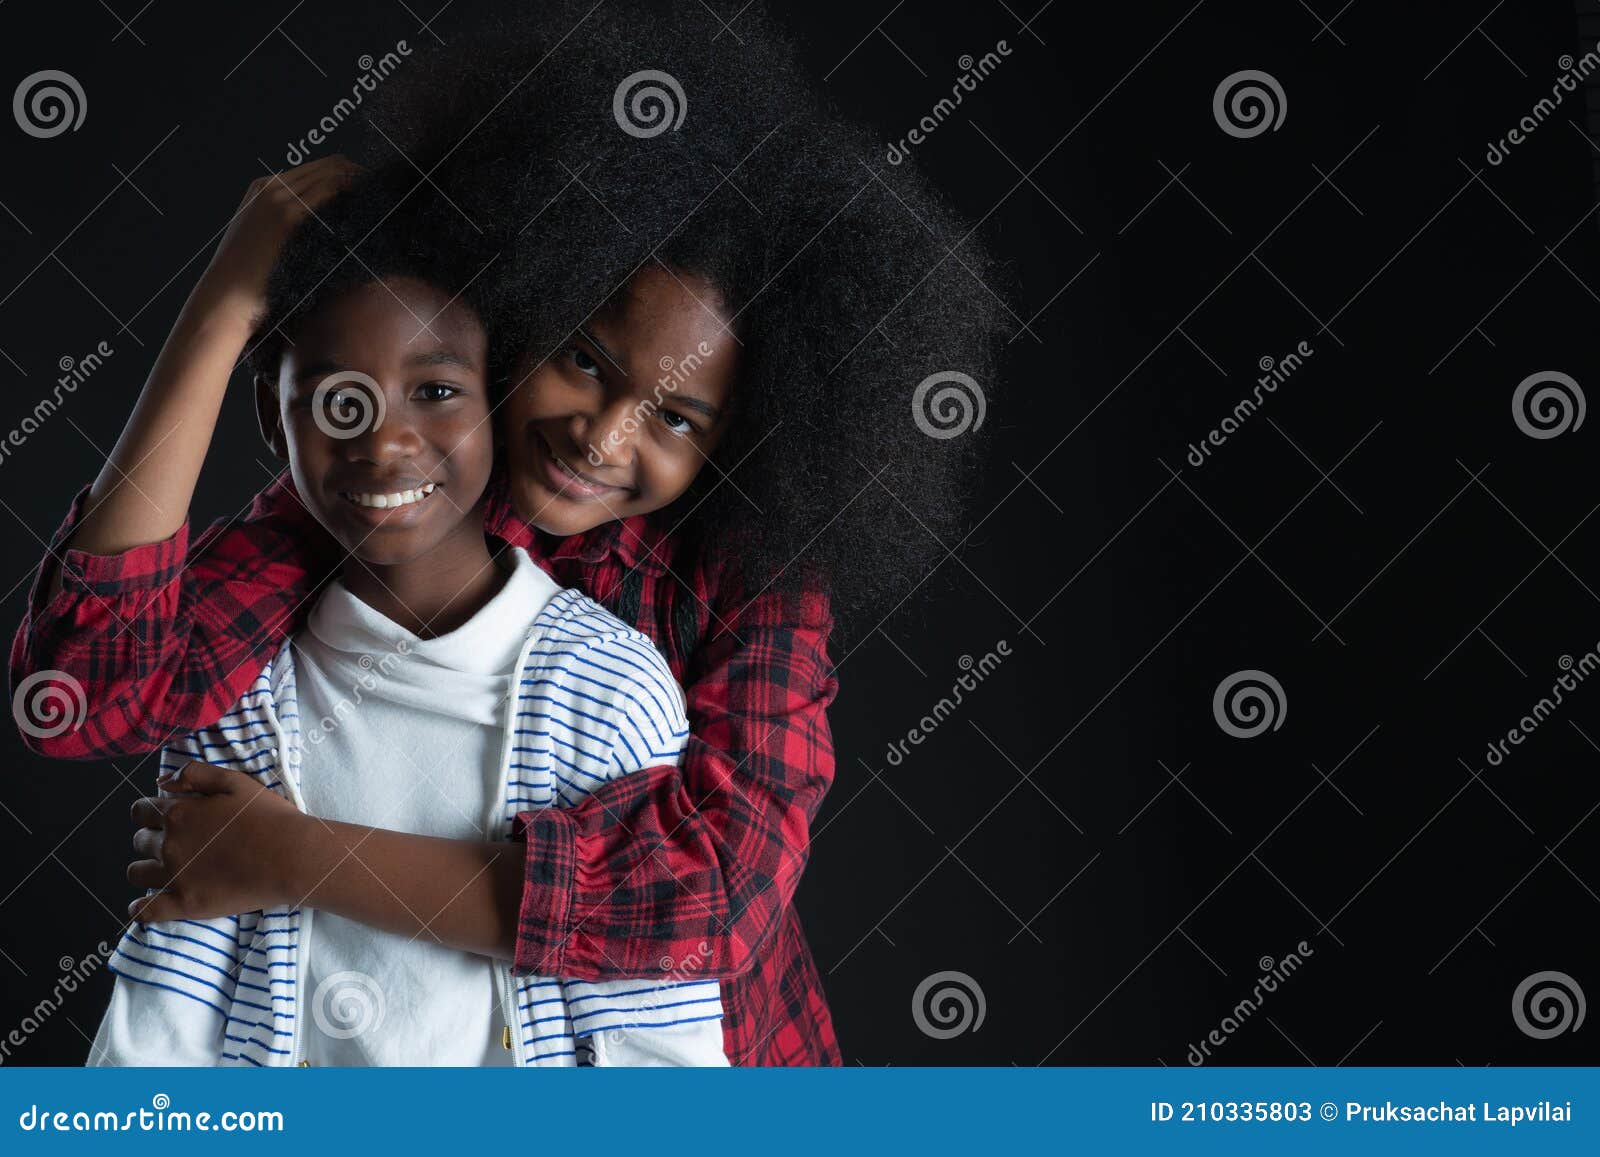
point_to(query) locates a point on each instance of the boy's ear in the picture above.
(270, 416)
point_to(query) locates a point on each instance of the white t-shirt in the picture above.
(396, 731)
(415, 745)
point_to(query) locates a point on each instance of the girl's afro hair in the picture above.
(575, 143)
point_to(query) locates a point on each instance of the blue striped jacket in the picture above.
(593, 700)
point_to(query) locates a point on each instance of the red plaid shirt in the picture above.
(690, 869)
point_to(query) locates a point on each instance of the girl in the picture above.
(728, 531)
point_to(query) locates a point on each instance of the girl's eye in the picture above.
(677, 423)
(437, 391)
(584, 363)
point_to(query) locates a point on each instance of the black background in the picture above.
(1384, 492)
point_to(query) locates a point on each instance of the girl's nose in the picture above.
(610, 437)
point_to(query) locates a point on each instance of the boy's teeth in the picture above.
(399, 498)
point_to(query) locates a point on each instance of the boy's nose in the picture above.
(389, 435)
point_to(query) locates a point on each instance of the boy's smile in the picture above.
(396, 498)
(389, 504)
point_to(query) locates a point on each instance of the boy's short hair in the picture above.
(387, 223)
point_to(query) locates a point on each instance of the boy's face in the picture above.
(381, 407)
(621, 420)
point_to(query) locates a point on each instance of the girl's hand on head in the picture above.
(215, 843)
(273, 207)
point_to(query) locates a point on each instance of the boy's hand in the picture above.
(219, 845)
(273, 207)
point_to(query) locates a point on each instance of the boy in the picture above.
(496, 691)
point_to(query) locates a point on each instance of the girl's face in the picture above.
(384, 418)
(620, 421)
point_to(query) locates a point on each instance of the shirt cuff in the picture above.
(138, 568)
(544, 917)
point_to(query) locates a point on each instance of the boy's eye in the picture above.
(437, 391)
(677, 423)
(584, 363)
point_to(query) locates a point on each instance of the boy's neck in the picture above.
(434, 594)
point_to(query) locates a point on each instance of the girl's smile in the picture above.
(568, 483)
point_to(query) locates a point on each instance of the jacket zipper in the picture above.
(511, 1034)
(289, 773)
(302, 950)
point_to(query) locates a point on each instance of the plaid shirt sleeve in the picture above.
(696, 864)
(164, 637)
